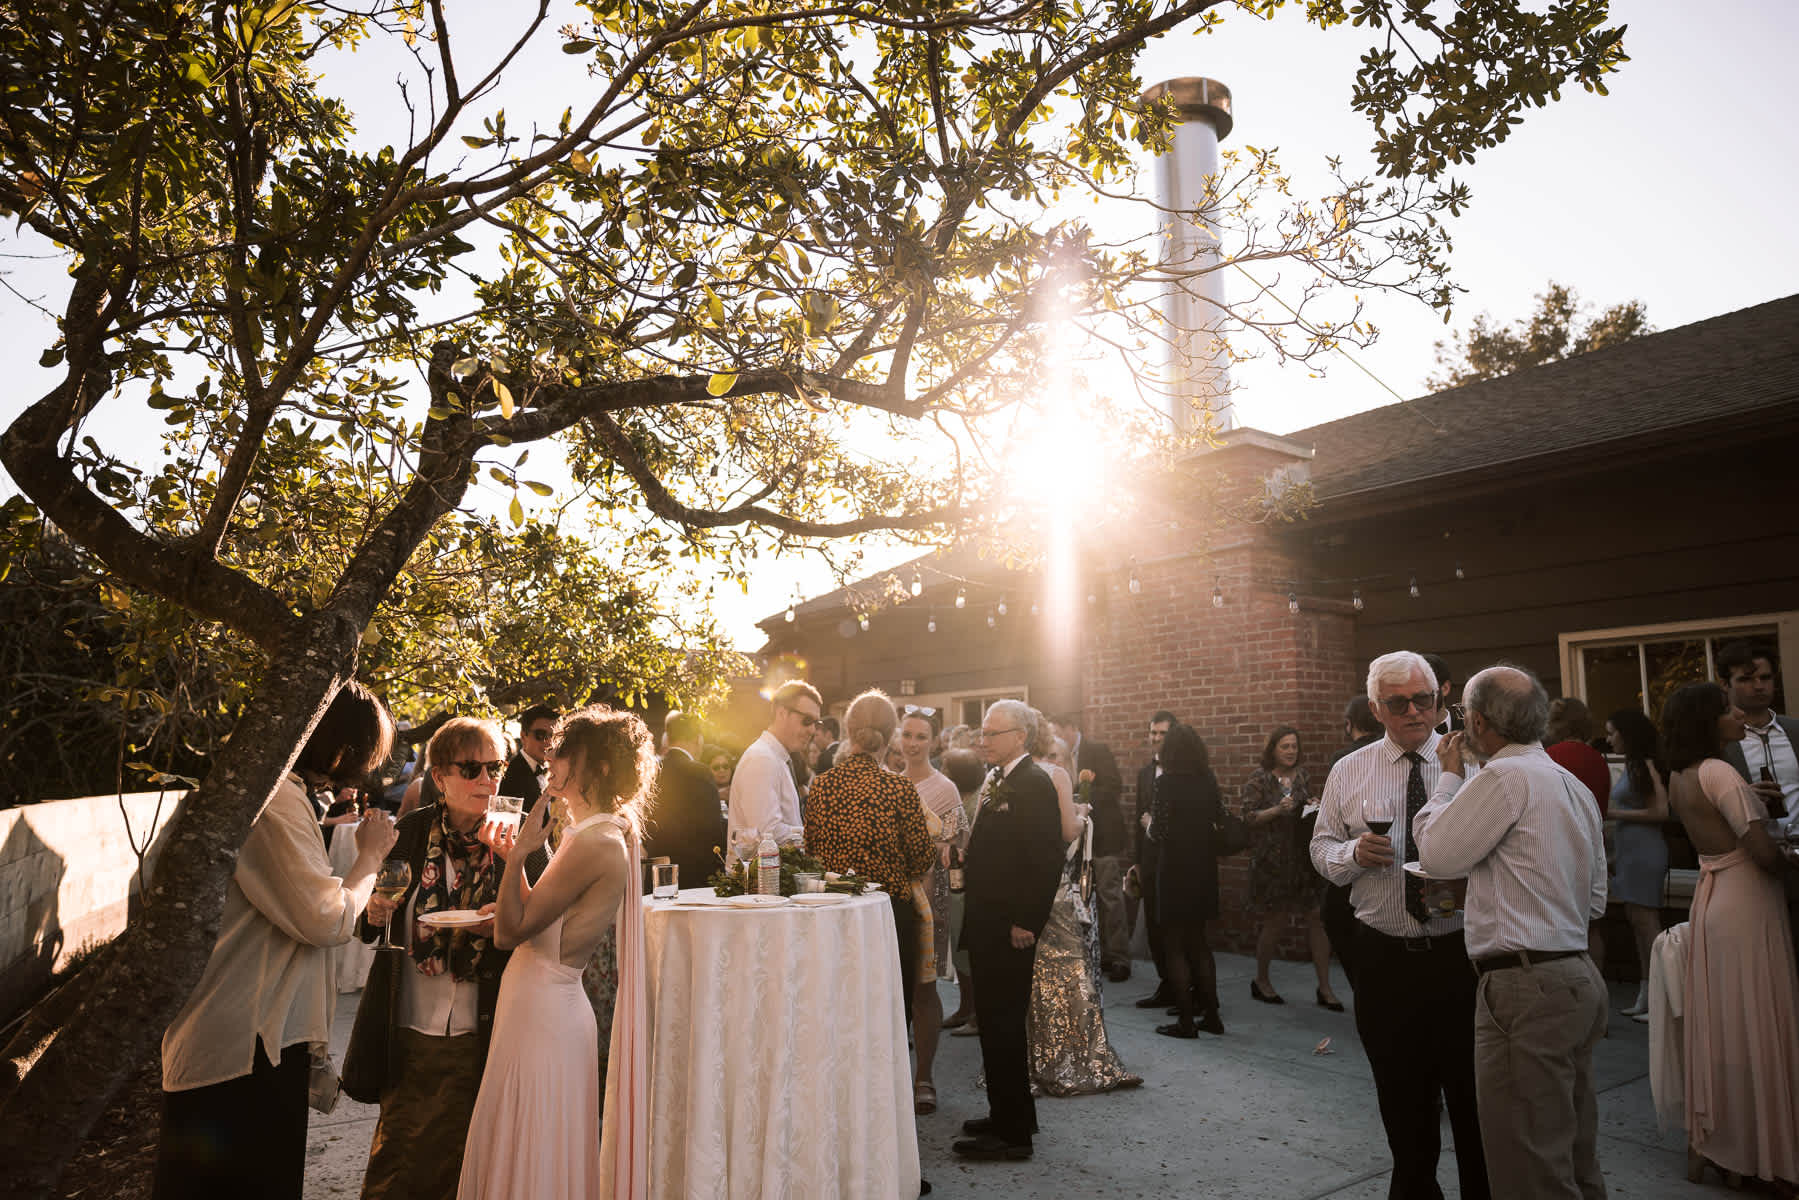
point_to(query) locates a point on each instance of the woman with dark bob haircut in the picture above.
(1742, 1001)
(1186, 808)
(236, 1059)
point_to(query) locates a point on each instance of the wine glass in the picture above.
(1378, 816)
(391, 882)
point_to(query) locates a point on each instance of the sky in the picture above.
(1674, 190)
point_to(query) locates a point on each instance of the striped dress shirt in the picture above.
(1371, 782)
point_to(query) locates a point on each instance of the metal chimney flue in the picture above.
(1198, 362)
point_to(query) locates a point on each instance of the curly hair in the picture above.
(599, 737)
(1274, 740)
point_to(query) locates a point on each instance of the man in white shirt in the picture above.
(1414, 990)
(1526, 836)
(764, 798)
(1766, 756)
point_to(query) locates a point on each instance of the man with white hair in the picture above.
(1526, 835)
(1414, 990)
(1010, 873)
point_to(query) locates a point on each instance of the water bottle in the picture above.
(768, 867)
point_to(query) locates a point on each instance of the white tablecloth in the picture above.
(778, 1060)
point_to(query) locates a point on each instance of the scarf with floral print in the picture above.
(459, 872)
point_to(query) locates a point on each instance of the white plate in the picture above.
(1417, 869)
(453, 918)
(756, 901)
(816, 898)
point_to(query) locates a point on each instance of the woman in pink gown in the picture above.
(1742, 1002)
(534, 1128)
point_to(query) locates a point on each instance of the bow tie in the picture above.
(540, 770)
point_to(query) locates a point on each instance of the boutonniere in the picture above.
(996, 796)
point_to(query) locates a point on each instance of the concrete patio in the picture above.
(1252, 1114)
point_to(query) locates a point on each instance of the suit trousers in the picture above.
(1414, 1011)
(1108, 899)
(1534, 1032)
(1001, 1004)
(1152, 928)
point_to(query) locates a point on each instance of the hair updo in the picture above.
(869, 724)
(598, 736)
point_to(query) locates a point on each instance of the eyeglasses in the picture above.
(807, 720)
(1424, 702)
(472, 769)
(987, 735)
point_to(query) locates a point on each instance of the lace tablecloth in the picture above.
(778, 1060)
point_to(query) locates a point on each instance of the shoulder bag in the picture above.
(371, 1063)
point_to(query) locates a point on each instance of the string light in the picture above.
(862, 621)
(930, 625)
(789, 616)
(961, 597)
(992, 620)
(1034, 608)
(1002, 605)
(1135, 584)
(917, 584)
(1459, 573)
(1293, 603)
(1413, 589)
(1092, 598)
(1356, 599)
(1217, 594)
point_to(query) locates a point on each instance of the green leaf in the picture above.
(721, 383)
(542, 489)
(516, 512)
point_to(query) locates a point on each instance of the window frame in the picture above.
(1569, 645)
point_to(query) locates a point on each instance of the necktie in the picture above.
(1414, 801)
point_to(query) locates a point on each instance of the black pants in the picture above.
(243, 1137)
(1000, 1006)
(905, 924)
(1192, 971)
(1340, 927)
(1152, 928)
(1414, 1010)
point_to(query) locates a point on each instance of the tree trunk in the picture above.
(160, 957)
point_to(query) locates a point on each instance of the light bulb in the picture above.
(1217, 595)
(1414, 587)
(1034, 608)
(789, 617)
(961, 597)
(1293, 602)
(992, 620)
(1136, 585)
(917, 583)
(862, 622)
(930, 626)
(1356, 599)
(1002, 606)
(1092, 598)
(1459, 573)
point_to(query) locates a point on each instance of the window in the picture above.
(969, 709)
(1639, 667)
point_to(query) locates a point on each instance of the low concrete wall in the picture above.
(68, 877)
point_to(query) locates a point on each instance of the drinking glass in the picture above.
(666, 880)
(1378, 814)
(391, 882)
(807, 882)
(507, 811)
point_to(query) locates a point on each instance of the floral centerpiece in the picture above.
(735, 880)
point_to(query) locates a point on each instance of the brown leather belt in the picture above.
(1520, 958)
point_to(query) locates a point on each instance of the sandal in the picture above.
(924, 1098)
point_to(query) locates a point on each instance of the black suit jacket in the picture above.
(1014, 858)
(686, 822)
(521, 780)
(1108, 787)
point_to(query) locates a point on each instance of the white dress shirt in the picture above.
(1364, 783)
(271, 974)
(1527, 838)
(763, 797)
(1768, 746)
(440, 1005)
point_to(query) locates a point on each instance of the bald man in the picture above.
(1525, 835)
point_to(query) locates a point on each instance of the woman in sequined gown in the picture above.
(1070, 1052)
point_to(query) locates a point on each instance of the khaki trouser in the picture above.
(1110, 912)
(417, 1150)
(1534, 1032)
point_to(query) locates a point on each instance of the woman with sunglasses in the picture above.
(447, 998)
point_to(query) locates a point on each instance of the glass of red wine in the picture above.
(1378, 816)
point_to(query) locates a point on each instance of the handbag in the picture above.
(371, 1063)
(1230, 835)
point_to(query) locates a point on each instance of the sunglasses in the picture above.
(1424, 702)
(472, 769)
(917, 710)
(807, 720)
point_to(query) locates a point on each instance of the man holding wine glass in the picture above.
(1414, 988)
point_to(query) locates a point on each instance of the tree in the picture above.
(767, 239)
(1556, 330)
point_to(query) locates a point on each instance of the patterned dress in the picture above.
(1281, 878)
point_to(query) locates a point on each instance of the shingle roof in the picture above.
(1730, 365)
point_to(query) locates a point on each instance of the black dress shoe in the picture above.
(990, 1147)
(976, 1126)
(1209, 1023)
(1180, 1029)
(1333, 1005)
(1265, 997)
(1160, 998)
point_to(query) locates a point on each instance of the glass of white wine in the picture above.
(391, 882)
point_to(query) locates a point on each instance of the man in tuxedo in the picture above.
(1768, 755)
(1013, 864)
(529, 767)
(1159, 725)
(686, 825)
(1109, 847)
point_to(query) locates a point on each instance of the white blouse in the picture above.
(271, 974)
